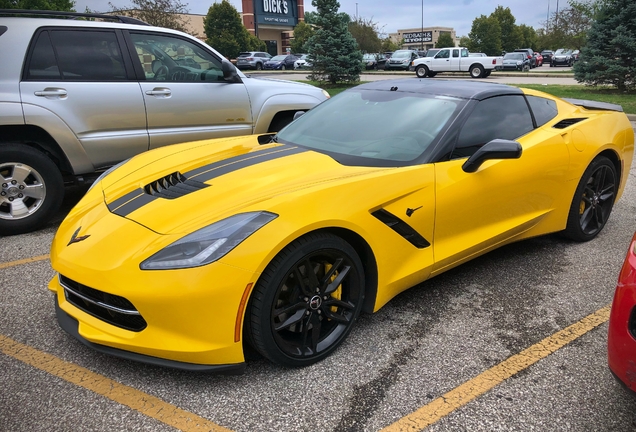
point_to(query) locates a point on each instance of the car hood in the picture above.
(181, 188)
(512, 61)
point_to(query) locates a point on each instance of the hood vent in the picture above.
(568, 122)
(173, 186)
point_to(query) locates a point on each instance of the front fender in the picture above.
(277, 103)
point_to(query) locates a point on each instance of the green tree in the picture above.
(302, 33)
(445, 40)
(465, 42)
(226, 33)
(386, 45)
(609, 56)
(334, 51)
(160, 13)
(54, 5)
(485, 35)
(529, 37)
(365, 32)
(510, 35)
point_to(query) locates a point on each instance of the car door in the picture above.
(184, 103)
(441, 61)
(81, 79)
(454, 60)
(503, 198)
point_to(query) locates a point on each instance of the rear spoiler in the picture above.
(594, 105)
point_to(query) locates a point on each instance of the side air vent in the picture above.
(402, 228)
(173, 186)
(568, 122)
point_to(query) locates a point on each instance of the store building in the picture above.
(273, 21)
(422, 39)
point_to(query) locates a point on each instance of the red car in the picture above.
(621, 340)
(539, 59)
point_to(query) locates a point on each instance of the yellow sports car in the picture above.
(183, 255)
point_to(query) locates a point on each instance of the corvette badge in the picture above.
(76, 239)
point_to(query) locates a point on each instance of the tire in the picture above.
(487, 73)
(283, 67)
(297, 318)
(31, 189)
(476, 71)
(431, 74)
(421, 71)
(593, 201)
(525, 68)
(259, 66)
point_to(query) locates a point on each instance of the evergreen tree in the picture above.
(485, 35)
(332, 48)
(226, 33)
(445, 40)
(302, 33)
(609, 57)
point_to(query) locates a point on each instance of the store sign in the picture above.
(426, 36)
(276, 12)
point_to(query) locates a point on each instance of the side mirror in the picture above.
(298, 114)
(495, 149)
(229, 72)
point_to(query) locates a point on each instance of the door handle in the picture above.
(159, 91)
(51, 92)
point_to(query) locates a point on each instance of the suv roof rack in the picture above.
(71, 15)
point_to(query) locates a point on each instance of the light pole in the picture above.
(422, 29)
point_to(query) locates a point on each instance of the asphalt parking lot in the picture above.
(514, 340)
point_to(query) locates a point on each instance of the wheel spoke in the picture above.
(586, 218)
(337, 303)
(334, 268)
(20, 173)
(290, 309)
(337, 317)
(599, 216)
(305, 288)
(316, 325)
(338, 280)
(18, 209)
(295, 318)
(35, 191)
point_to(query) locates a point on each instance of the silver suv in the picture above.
(77, 97)
(252, 60)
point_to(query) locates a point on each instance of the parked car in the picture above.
(539, 59)
(621, 337)
(186, 255)
(80, 96)
(383, 58)
(280, 62)
(401, 60)
(562, 57)
(515, 61)
(547, 55)
(575, 55)
(529, 52)
(370, 61)
(302, 62)
(252, 60)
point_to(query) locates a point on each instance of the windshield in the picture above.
(373, 127)
(402, 54)
(368, 57)
(514, 56)
(278, 58)
(562, 51)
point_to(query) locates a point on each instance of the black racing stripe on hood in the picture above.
(123, 200)
(140, 200)
(217, 169)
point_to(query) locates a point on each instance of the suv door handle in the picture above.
(159, 91)
(52, 92)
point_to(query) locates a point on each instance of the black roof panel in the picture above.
(463, 89)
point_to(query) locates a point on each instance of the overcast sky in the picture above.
(392, 15)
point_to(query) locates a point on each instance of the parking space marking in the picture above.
(137, 400)
(23, 261)
(470, 390)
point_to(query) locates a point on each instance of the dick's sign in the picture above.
(276, 12)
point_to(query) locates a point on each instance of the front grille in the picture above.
(113, 309)
(173, 186)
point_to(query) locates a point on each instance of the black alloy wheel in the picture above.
(593, 200)
(305, 303)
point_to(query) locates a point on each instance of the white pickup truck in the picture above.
(454, 60)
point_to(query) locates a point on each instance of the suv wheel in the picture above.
(31, 189)
(259, 66)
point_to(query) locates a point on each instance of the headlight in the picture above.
(518, 63)
(108, 171)
(327, 95)
(208, 244)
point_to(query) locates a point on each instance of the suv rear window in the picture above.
(245, 54)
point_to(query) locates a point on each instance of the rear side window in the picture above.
(543, 109)
(76, 55)
(503, 117)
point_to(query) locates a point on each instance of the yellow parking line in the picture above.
(470, 390)
(23, 261)
(125, 395)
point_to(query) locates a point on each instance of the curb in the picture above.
(631, 117)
